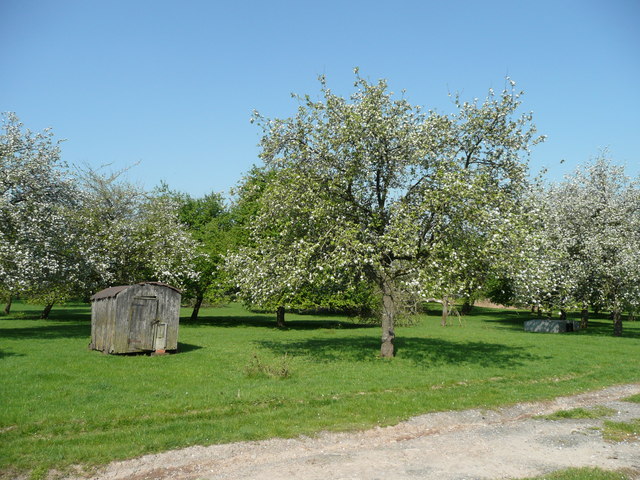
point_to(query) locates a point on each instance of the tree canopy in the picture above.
(375, 188)
(584, 252)
(67, 232)
(38, 239)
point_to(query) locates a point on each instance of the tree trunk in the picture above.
(7, 307)
(196, 308)
(467, 306)
(445, 311)
(46, 311)
(617, 323)
(563, 314)
(280, 318)
(388, 321)
(584, 318)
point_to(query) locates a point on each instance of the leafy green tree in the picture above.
(247, 251)
(208, 221)
(375, 189)
(244, 262)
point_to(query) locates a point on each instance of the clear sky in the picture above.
(172, 84)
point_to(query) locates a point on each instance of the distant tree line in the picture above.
(69, 232)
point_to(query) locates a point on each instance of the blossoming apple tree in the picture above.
(373, 188)
(38, 254)
(587, 249)
(130, 235)
(68, 234)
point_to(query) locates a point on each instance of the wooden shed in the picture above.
(135, 318)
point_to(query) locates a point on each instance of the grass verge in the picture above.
(622, 431)
(578, 413)
(586, 474)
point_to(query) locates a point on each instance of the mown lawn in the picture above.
(237, 377)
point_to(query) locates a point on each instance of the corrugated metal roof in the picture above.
(114, 291)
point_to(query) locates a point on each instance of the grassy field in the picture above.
(237, 377)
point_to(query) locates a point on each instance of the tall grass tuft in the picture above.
(278, 368)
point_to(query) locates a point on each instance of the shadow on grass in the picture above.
(5, 354)
(70, 315)
(313, 323)
(48, 331)
(604, 328)
(598, 327)
(62, 313)
(187, 347)
(182, 349)
(421, 351)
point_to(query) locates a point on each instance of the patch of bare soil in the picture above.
(490, 304)
(470, 444)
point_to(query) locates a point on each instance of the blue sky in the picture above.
(172, 84)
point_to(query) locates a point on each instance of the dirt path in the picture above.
(471, 444)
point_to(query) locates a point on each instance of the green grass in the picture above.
(622, 431)
(584, 474)
(633, 398)
(578, 413)
(237, 377)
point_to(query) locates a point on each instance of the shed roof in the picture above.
(114, 291)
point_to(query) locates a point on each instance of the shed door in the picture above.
(143, 314)
(160, 336)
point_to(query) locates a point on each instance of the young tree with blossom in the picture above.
(130, 235)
